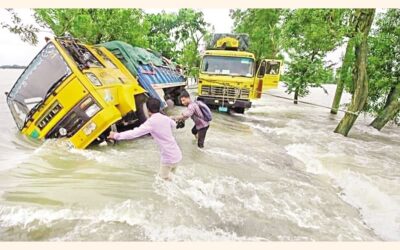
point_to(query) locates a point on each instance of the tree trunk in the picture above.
(296, 95)
(391, 109)
(343, 73)
(364, 18)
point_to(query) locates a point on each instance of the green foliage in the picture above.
(347, 72)
(307, 36)
(384, 60)
(27, 33)
(190, 31)
(161, 35)
(263, 27)
(191, 26)
(97, 25)
(176, 35)
(191, 59)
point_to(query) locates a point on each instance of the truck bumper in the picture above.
(217, 102)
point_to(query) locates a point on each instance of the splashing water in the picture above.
(277, 172)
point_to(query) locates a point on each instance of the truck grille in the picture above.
(73, 121)
(54, 110)
(229, 92)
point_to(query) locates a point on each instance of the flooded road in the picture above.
(277, 173)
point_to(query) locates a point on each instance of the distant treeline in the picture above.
(12, 67)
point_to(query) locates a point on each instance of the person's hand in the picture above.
(112, 135)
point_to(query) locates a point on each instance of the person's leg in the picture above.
(173, 168)
(202, 136)
(195, 132)
(165, 172)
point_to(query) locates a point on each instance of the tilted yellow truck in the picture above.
(75, 91)
(229, 78)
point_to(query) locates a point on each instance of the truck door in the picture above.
(272, 74)
(259, 79)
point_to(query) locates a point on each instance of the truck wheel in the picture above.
(176, 95)
(141, 108)
(177, 102)
(238, 110)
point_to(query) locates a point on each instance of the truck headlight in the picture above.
(93, 78)
(89, 106)
(62, 131)
(89, 128)
(92, 110)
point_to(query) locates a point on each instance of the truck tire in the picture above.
(238, 110)
(141, 108)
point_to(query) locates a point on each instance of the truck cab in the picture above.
(229, 78)
(75, 91)
(226, 80)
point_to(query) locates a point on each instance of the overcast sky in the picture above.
(14, 51)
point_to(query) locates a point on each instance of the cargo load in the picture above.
(161, 78)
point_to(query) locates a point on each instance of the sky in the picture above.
(14, 51)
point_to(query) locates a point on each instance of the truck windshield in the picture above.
(46, 70)
(224, 65)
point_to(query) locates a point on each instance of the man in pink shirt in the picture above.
(159, 127)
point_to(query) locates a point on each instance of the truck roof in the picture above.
(229, 53)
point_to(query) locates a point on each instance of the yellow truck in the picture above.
(229, 77)
(76, 91)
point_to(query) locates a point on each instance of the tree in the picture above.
(308, 34)
(263, 27)
(162, 33)
(27, 33)
(176, 35)
(97, 25)
(384, 70)
(347, 62)
(344, 75)
(363, 21)
(390, 110)
(192, 29)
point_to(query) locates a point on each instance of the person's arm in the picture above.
(173, 123)
(143, 129)
(185, 114)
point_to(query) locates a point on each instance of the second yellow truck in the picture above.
(229, 77)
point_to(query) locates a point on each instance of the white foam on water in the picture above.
(232, 155)
(228, 197)
(12, 216)
(304, 152)
(291, 129)
(379, 210)
(129, 212)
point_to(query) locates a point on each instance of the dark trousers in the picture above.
(201, 135)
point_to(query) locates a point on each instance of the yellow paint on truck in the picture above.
(229, 78)
(92, 98)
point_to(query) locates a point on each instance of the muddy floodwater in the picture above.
(276, 173)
